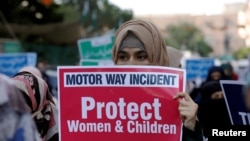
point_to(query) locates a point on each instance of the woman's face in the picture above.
(132, 56)
(215, 75)
(217, 95)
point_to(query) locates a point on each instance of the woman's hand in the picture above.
(188, 110)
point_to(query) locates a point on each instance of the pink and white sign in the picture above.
(120, 103)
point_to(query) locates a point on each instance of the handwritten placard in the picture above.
(11, 63)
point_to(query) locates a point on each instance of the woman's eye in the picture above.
(123, 57)
(141, 57)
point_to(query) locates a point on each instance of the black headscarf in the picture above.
(196, 92)
(212, 113)
(216, 69)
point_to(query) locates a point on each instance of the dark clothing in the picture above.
(195, 93)
(54, 137)
(229, 68)
(189, 135)
(212, 113)
(216, 69)
(46, 79)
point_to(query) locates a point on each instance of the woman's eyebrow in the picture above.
(140, 52)
(121, 51)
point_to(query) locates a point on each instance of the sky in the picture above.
(152, 7)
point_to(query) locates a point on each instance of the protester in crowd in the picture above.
(139, 42)
(42, 66)
(16, 123)
(215, 73)
(39, 100)
(37, 72)
(212, 111)
(229, 71)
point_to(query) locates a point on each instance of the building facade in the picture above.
(220, 31)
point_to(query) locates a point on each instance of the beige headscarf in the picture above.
(39, 99)
(32, 70)
(149, 35)
(175, 57)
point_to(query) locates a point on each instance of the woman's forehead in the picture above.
(131, 40)
(131, 49)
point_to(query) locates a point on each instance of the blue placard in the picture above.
(11, 63)
(234, 98)
(198, 68)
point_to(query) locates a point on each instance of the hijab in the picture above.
(39, 99)
(216, 69)
(175, 57)
(15, 120)
(212, 112)
(32, 70)
(131, 41)
(149, 36)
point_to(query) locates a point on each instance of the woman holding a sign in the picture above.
(139, 42)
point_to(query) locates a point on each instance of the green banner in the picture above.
(96, 48)
(12, 47)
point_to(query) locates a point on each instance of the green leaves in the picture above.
(188, 36)
(242, 53)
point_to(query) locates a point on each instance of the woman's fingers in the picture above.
(183, 95)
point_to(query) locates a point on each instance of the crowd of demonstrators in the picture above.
(139, 42)
(215, 73)
(213, 112)
(30, 113)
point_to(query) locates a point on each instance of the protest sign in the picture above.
(98, 48)
(234, 98)
(198, 68)
(120, 103)
(11, 63)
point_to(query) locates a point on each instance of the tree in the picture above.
(188, 36)
(42, 21)
(24, 19)
(30, 11)
(97, 14)
(242, 53)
